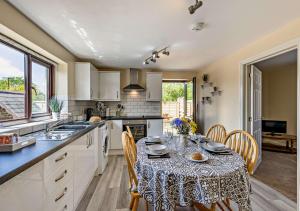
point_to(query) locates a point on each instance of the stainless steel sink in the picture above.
(70, 127)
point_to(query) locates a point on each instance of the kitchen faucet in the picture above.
(50, 126)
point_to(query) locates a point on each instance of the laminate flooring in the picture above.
(109, 192)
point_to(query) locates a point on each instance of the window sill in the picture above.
(24, 128)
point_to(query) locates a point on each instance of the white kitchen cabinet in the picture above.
(153, 86)
(86, 81)
(116, 134)
(84, 164)
(25, 191)
(109, 89)
(154, 127)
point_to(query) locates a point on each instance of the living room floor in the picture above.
(279, 171)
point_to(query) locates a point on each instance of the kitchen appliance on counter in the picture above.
(138, 128)
(89, 113)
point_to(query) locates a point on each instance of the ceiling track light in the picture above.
(155, 55)
(193, 8)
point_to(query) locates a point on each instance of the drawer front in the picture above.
(60, 177)
(62, 200)
(56, 160)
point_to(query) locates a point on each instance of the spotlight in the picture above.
(153, 60)
(155, 55)
(167, 53)
(194, 7)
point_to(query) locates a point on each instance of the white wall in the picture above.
(225, 73)
(279, 95)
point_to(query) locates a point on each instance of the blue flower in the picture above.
(177, 122)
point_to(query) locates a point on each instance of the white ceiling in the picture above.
(288, 58)
(122, 33)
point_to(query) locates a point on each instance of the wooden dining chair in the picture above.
(130, 156)
(216, 133)
(245, 145)
(132, 141)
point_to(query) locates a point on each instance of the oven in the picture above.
(138, 128)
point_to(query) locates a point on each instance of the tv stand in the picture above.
(289, 139)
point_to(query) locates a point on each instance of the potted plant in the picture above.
(184, 127)
(56, 106)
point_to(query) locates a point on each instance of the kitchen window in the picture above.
(25, 84)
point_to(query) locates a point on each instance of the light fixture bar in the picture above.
(155, 55)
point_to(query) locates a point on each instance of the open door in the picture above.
(256, 107)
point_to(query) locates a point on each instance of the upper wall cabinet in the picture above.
(86, 81)
(109, 83)
(154, 86)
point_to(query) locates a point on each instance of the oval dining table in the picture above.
(167, 182)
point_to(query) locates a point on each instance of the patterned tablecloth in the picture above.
(165, 182)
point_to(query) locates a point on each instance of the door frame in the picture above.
(275, 51)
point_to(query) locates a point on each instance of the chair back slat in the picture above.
(245, 145)
(131, 139)
(216, 133)
(130, 156)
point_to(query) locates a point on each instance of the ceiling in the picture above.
(122, 33)
(288, 58)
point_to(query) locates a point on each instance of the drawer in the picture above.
(60, 177)
(62, 200)
(56, 160)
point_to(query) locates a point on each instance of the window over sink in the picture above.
(25, 84)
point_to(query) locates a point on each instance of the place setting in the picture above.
(216, 148)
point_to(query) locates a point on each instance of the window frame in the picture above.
(28, 59)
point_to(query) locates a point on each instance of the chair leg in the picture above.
(227, 204)
(213, 206)
(220, 206)
(146, 204)
(131, 202)
(135, 204)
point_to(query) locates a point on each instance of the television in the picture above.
(273, 126)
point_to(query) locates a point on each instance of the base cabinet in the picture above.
(56, 183)
(116, 130)
(154, 127)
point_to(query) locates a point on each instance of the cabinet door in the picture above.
(94, 84)
(81, 167)
(155, 127)
(83, 81)
(109, 86)
(154, 87)
(93, 152)
(116, 134)
(25, 191)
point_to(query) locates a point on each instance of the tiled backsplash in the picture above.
(77, 108)
(135, 105)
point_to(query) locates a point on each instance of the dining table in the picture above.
(166, 182)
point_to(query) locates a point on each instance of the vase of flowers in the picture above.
(184, 127)
(55, 106)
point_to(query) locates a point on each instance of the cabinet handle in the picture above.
(149, 95)
(117, 95)
(92, 92)
(61, 195)
(149, 125)
(65, 207)
(61, 176)
(61, 157)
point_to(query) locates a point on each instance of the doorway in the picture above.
(178, 100)
(271, 117)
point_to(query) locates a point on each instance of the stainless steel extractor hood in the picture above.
(134, 82)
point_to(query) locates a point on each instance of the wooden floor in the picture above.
(284, 180)
(109, 193)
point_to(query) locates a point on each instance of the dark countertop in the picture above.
(131, 117)
(13, 163)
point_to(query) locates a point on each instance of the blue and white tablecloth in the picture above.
(176, 180)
